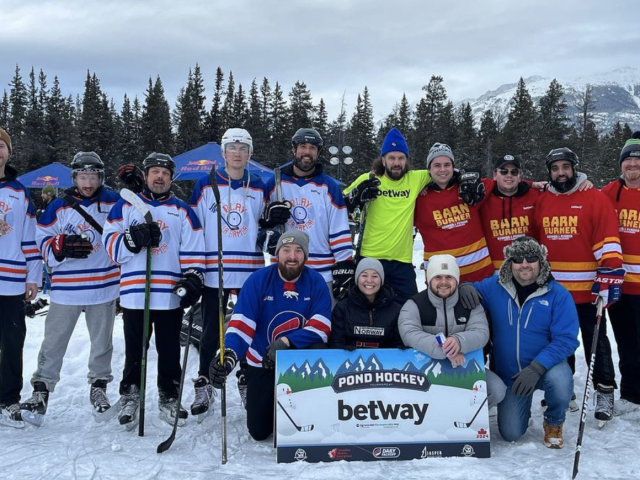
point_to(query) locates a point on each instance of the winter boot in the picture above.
(242, 386)
(168, 406)
(553, 436)
(98, 396)
(203, 398)
(604, 404)
(130, 400)
(11, 416)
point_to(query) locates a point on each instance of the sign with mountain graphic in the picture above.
(379, 404)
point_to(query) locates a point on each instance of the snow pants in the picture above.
(58, 328)
(625, 321)
(210, 337)
(13, 331)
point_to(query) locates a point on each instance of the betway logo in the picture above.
(396, 194)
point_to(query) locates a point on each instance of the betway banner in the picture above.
(379, 404)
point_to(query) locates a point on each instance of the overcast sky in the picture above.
(335, 47)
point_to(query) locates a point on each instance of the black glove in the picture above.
(471, 188)
(365, 191)
(217, 372)
(131, 176)
(273, 240)
(189, 287)
(269, 360)
(469, 296)
(142, 235)
(343, 273)
(72, 246)
(276, 213)
(526, 380)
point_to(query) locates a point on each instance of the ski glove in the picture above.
(273, 240)
(526, 380)
(607, 285)
(217, 372)
(343, 273)
(469, 296)
(276, 213)
(142, 235)
(471, 188)
(365, 191)
(71, 246)
(269, 360)
(131, 176)
(189, 287)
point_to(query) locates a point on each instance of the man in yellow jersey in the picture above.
(388, 234)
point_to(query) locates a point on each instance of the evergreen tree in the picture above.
(321, 124)
(362, 138)
(467, 151)
(428, 111)
(18, 108)
(240, 108)
(34, 144)
(226, 113)
(553, 124)
(4, 110)
(338, 135)
(59, 126)
(487, 136)
(214, 129)
(445, 126)
(130, 133)
(404, 116)
(254, 124)
(155, 124)
(301, 106)
(189, 114)
(281, 130)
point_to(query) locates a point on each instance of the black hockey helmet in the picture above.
(563, 153)
(307, 135)
(87, 162)
(159, 160)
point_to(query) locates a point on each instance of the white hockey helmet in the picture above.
(237, 135)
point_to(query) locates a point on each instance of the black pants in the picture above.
(210, 337)
(603, 370)
(13, 331)
(260, 398)
(402, 277)
(625, 320)
(166, 324)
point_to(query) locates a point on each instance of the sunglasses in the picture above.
(531, 259)
(514, 171)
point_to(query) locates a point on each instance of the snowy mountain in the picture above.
(616, 96)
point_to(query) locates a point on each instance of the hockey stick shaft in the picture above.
(585, 398)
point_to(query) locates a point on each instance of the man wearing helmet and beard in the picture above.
(83, 278)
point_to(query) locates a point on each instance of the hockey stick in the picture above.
(221, 313)
(142, 207)
(470, 422)
(587, 388)
(363, 219)
(304, 428)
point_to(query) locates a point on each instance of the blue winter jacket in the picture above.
(544, 329)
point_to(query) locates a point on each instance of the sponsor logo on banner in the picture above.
(339, 453)
(468, 451)
(383, 378)
(373, 331)
(482, 433)
(386, 452)
(300, 455)
(430, 453)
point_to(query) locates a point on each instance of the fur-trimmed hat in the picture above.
(525, 247)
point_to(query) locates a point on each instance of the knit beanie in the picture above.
(439, 150)
(297, 237)
(525, 247)
(7, 139)
(369, 264)
(394, 142)
(49, 190)
(631, 147)
(442, 265)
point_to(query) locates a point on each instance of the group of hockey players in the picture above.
(514, 252)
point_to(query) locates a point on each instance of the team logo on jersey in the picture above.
(283, 323)
(290, 294)
(86, 232)
(232, 216)
(302, 214)
(165, 237)
(6, 216)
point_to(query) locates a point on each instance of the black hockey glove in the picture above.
(263, 235)
(471, 188)
(343, 273)
(217, 372)
(142, 235)
(189, 288)
(276, 213)
(131, 176)
(469, 296)
(526, 380)
(71, 246)
(364, 192)
(30, 309)
(269, 360)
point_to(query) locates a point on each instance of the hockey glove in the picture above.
(189, 287)
(343, 273)
(131, 176)
(364, 192)
(526, 380)
(469, 296)
(607, 285)
(142, 235)
(273, 240)
(276, 213)
(217, 372)
(70, 246)
(471, 188)
(269, 360)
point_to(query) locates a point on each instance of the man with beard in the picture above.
(178, 263)
(313, 203)
(388, 234)
(282, 306)
(580, 230)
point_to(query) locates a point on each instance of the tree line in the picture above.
(47, 126)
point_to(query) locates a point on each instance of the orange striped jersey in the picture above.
(581, 233)
(448, 225)
(79, 281)
(181, 248)
(626, 201)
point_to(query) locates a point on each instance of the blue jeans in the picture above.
(514, 411)
(402, 277)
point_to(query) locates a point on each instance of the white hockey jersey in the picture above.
(79, 281)
(181, 247)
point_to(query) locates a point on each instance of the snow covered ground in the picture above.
(70, 445)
